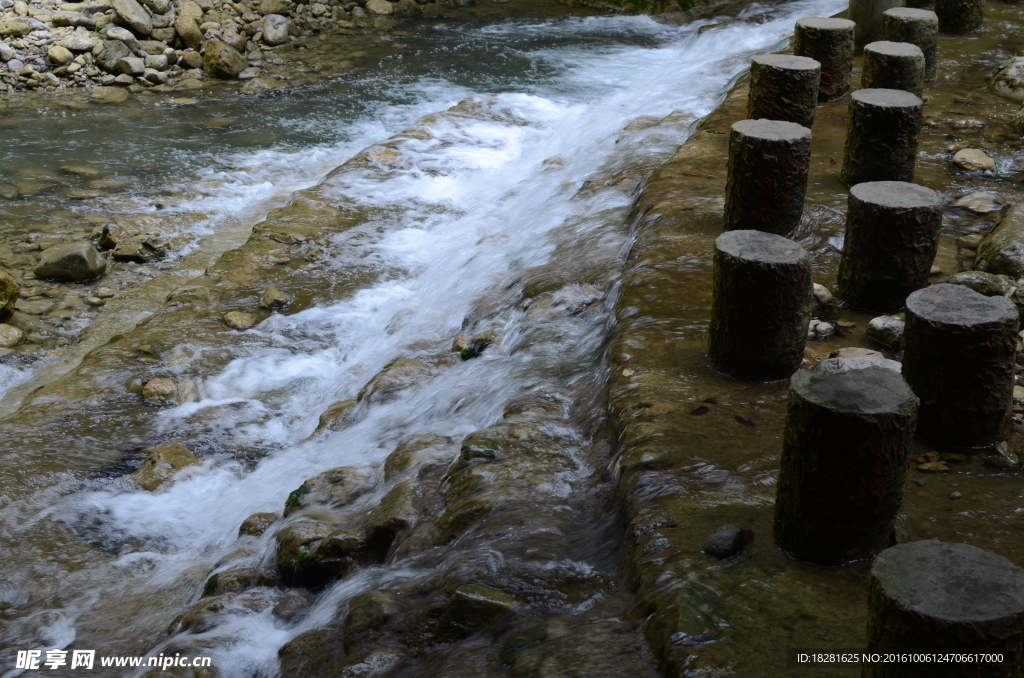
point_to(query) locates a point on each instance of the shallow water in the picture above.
(505, 215)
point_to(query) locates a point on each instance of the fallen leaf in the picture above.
(933, 466)
(711, 401)
(846, 323)
(747, 421)
(703, 409)
(932, 456)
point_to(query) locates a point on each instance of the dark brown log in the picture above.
(929, 597)
(959, 352)
(893, 65)
(830, 43)
(783, 87)
(960, 16)
(761, 305)
(892, 234)
(767, 175)
(867, 14)
(881, 136)
(844, 463)
(918, 27)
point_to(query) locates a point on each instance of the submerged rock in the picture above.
(980, 202)
(1002, 251)
(376, 662)
(396, 514)
(256, 524)
(973, 160)
(334, 488)
(313, 550)
(162, 463)
(886, 330)
(473, 608)
(239, 320)
(368, 612)
(396, 376)
(274, 298)
(336, 416)
(160, 391)
(9, 291)
(71, 262)
(725, 542)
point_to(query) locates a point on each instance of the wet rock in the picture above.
(275, 29)
(855, 352)
(1008, 80)
(257, 86)
(478, 343)
(132, 13)
(334, 488)
(313, 654)
(823, 302)
(239, 320)
(293, 606)
(58, 54)
(473, 608)
(9, 291)
(820, 329)
(9, 336)
(256, 524)
(336, 416)
(725, 542)
(234, 580)
(461, 343)
(274, 298)
(163, 462)
(983, 283)
(209, 612)
(1002, 251)
(1002, 458)
(160, 391)
(71, 262)
(886, 330)
(973, 160)
(187, 29)
(396, 514)
(395, 377)
(222, 61)
(420, 448)
(407, 8)
(376, 662)
(368, 612)
(980, 202)
(313, 551)
(844, 365)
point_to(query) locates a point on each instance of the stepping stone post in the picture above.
(882, 131)
(959, 16)
(867, 14)
(761, 305)
(767, 175)
(892, 234)
(959, 353)
(830, 43)
(918, 27)
(931, 597)
(845, 455)
(783, 87)
(893, 65)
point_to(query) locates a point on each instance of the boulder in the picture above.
(312, 654)
(221, 61)
(162, 462)
(72, 19)
(1008, 80)
(187, 29)
(59, 55)
(157, 62)
(9, 291)
(125, 36)
(235, 40)
(973, 160)
(336, 416)
(132, 13)
(9, 336)
(396, 514)
(368, 612)
(71, 262)
(275, 29)
(473, 608)
(1002, 251)
(334, 488)
(273, 297)
(983, 283)
(886, 330)
(313, 550)
(192, 59)
(191, 9)
(113, 50)
(140, 249)
(256, 524)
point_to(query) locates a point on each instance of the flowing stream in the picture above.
(504, 215)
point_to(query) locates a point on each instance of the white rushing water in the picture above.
(464, 209)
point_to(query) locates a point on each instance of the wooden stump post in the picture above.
(881, 136)
(893, 65)
(892, 234)
(830, 43)
(767, 175)
(761, 305)
(931, 597)
(960, 16)
(959, 353)
(845, 454)
(783, 87)
(867, 14)
(918, 27)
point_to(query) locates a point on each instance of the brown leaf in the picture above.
(747, 421)
(703, 409)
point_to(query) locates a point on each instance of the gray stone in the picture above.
(222, 61)
(980, 202)
(158, 62)
(71, 262)
(132, 13)
(983, 283)
(473, 608)
(125, 36)
(1008, 80)
(843, 365)
(6, 52)
(274, 298)
(113, 50)
(725, 542)
(1002, 251)
(133, 66)
(823, 302)
(886, 330)
(1002, 458)
(275, 29)
(78, 43)
(973, 160)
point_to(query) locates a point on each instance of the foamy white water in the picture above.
(482, 196)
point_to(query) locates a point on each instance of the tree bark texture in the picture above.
(893, 65)
(918, 27)
(960, 16)
(783, 87)
(882, 131)
(830, 43)
(867, 14)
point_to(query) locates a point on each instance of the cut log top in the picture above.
(896, 194)
(910, 13)
(788, 62)
(771, 130)
(953, 582)
(888, 98)
(894, 49)
(960, 305)
(872, 390)
(823, 24)
(761, 247)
